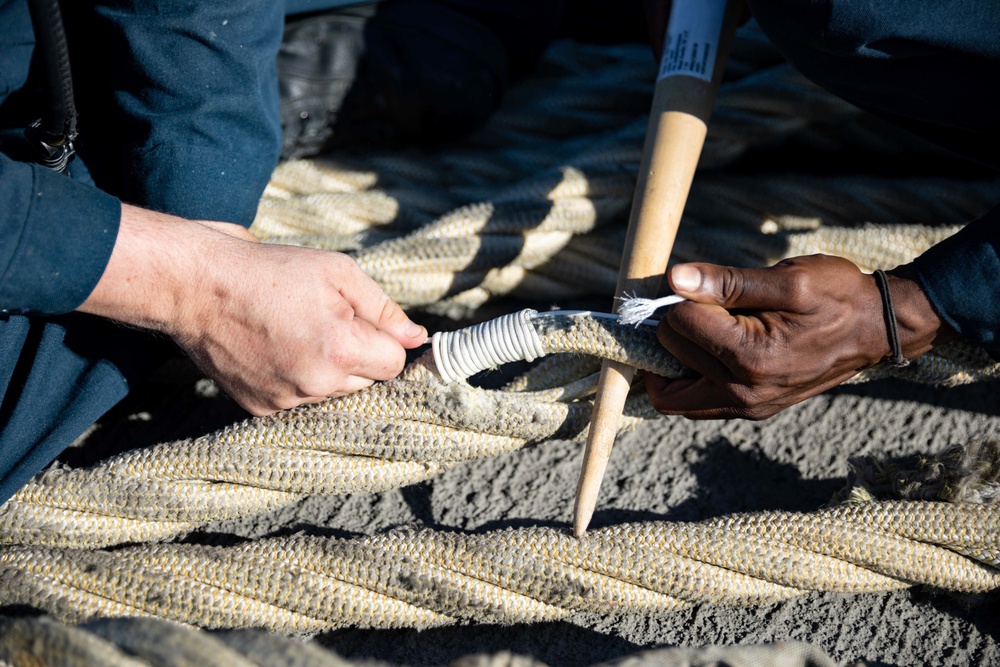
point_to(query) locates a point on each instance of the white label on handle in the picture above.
(692, 40)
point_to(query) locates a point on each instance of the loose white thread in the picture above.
(634, 310)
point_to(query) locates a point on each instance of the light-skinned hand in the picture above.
(275, 326)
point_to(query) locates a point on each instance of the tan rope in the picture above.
(505, 217)
(423, 578)
(134, 642)
(521, 210)
(506, 246)
(393, 434)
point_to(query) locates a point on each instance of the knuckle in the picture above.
(388, 309)
(265, 407)
(799, 288)
(683, 322)
(750, 359)
(339, 261)
(658, 403)
(315, 384)
(340, 358)
(340, 309)
(285, 403)
(754, 368)
(743, 398)
(675, 316)
(753, 403)
(731, 285)
(755, 414)
(749, 400)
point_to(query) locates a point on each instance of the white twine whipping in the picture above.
(459, 354)
(463, 353)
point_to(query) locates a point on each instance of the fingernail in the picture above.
(414, 330)
(685, 278)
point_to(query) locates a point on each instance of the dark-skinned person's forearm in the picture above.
(919, 325)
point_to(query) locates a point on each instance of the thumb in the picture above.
(731, 288)
(395, 322)
(377, 308)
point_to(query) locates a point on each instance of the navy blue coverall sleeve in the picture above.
(185, 122)
(961, 277)
(51, 254)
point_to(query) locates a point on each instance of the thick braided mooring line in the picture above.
(390, 435)
(140, 642)
(524, 209)
(515, 337)
(424, 578)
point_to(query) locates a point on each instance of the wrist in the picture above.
(155, 264)
(919, 326)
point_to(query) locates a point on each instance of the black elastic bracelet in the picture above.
(896, 357)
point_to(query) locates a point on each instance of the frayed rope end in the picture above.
(636, 309)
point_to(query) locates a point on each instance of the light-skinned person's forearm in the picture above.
(275, 326)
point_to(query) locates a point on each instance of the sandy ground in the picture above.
(667, 469)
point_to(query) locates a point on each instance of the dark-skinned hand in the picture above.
(761, 340)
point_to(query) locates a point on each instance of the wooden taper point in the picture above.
(678, 123)
(616, 380)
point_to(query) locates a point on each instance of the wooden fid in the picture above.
(678, 123)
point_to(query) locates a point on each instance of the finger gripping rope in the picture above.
(459, 354)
